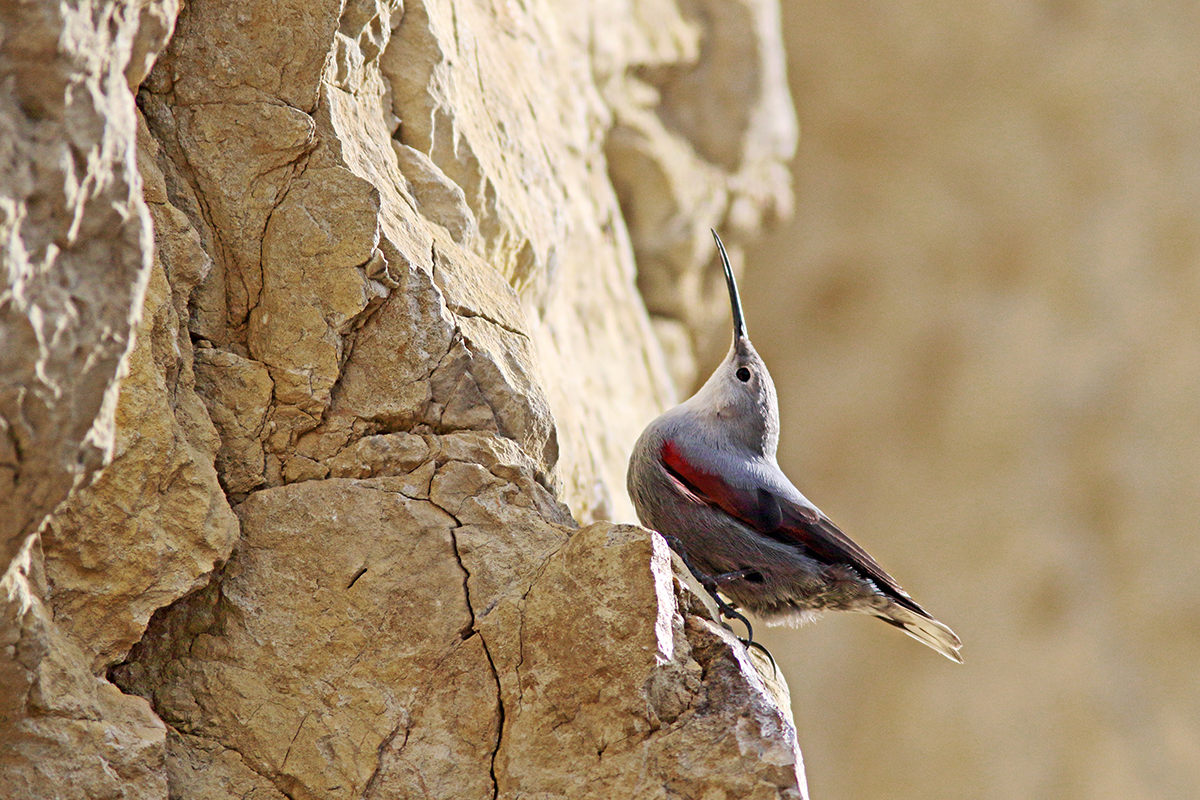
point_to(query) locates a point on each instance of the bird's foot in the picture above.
(762, 649)
(728, 610)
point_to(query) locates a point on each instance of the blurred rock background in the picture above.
(982, 322)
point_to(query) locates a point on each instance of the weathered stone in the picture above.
(241, 158)
(444, 745)
(238, 394)
(635, 688)
(441, 200)
(313, 289)
(464, 682)
(201, 769)
(157, 509)
(63, 731)
(387, 377)
(71, 200)
(294, 639)
(76, 259)
(393, 322)
(390, 454)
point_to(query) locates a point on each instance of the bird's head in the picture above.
(740, 397)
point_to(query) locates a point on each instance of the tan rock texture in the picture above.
(76, 260)
(983, 326)
(391, 355)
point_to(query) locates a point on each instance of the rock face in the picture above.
(77, 256)
(390, 355)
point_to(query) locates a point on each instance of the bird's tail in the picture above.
(924, 629)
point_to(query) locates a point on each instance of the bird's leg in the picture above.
(729, 610)
(726, 577)
(711, 584)
(762, 649)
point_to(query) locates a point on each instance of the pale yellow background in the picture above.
(984, 323)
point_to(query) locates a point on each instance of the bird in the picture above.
(704, 474)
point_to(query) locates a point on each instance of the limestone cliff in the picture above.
(364, 275)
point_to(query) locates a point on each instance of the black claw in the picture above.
(765, 652)
(727, 610)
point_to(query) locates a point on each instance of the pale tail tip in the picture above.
(934, 634)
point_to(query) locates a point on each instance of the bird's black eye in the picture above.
(743, 374)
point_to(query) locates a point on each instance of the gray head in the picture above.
(740, 395)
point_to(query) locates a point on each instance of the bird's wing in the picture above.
(780, 518)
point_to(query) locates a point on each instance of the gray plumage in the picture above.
(704, 473)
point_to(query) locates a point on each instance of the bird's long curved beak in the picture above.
(739, 322)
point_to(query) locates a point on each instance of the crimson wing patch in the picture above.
(780, 519)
